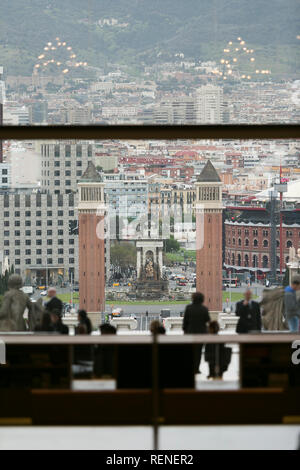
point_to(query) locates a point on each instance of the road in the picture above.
(154, 310)
(140, 310)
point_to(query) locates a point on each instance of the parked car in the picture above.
(117, 312)
(44, 293)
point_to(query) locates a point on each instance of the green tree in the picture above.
(172, 245)
(123, 255)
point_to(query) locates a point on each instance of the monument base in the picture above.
(151, 289)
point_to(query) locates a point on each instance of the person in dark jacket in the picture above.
(106, 354)
(83, 353)
(54, 303)
(46, 324)
(57, 324)
(217, 355)
(292, 305)
(195, 321)
(249, 314)
(84, 324)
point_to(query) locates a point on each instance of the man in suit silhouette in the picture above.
(249, 314)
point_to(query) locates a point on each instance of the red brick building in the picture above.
(248, 239)
(91, 211)
(209, 237)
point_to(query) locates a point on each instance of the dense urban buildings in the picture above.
(171, 267)
(138, 177)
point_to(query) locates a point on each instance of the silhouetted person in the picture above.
(249, 314)
(292, 305)
(217, 355)
(83, 353)
(46, 324)
(57, 324)
(105, 355)
(54, 303)
(157, 327)
(84, 326)
(195, 321)
(107, 329)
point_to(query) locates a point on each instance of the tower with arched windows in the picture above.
(91, 211)
(209, 237)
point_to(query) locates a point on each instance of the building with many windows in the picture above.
(209, 104)
(248, 239)
(39, 236)
(126, 194)
(63, 164)
(181, 110)
(5, 176)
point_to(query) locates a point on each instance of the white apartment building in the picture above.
(63, 163)
(5, 176)
(209, 104)
(16, 115)
(181, 110)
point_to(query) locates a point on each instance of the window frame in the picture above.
(149, 132)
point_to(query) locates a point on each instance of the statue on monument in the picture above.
(149, 269)
(150, 284)
(14, 305)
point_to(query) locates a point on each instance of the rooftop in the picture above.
(91, 175)
(209, 174)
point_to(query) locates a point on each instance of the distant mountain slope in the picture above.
(198, 28)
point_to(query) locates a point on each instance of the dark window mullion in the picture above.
(240, 132)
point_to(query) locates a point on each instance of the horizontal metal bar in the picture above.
(140, 132)
(261, 338)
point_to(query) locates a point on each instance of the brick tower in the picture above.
(209, 237)
(91, 211)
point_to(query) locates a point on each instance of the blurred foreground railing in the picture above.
(154, 380)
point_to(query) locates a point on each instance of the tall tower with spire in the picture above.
(91, 211)
(209, 237)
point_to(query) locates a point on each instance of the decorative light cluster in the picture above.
(236, 60)
(58, 54)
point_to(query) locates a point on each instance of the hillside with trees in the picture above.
(135, 31)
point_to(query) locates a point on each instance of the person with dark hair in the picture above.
(198, 298)
(249, 314)
(217, 355)
(107, 329)
(195, 321)
(57, 324)
(157, 328)
(85, 325)
(83, 354)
